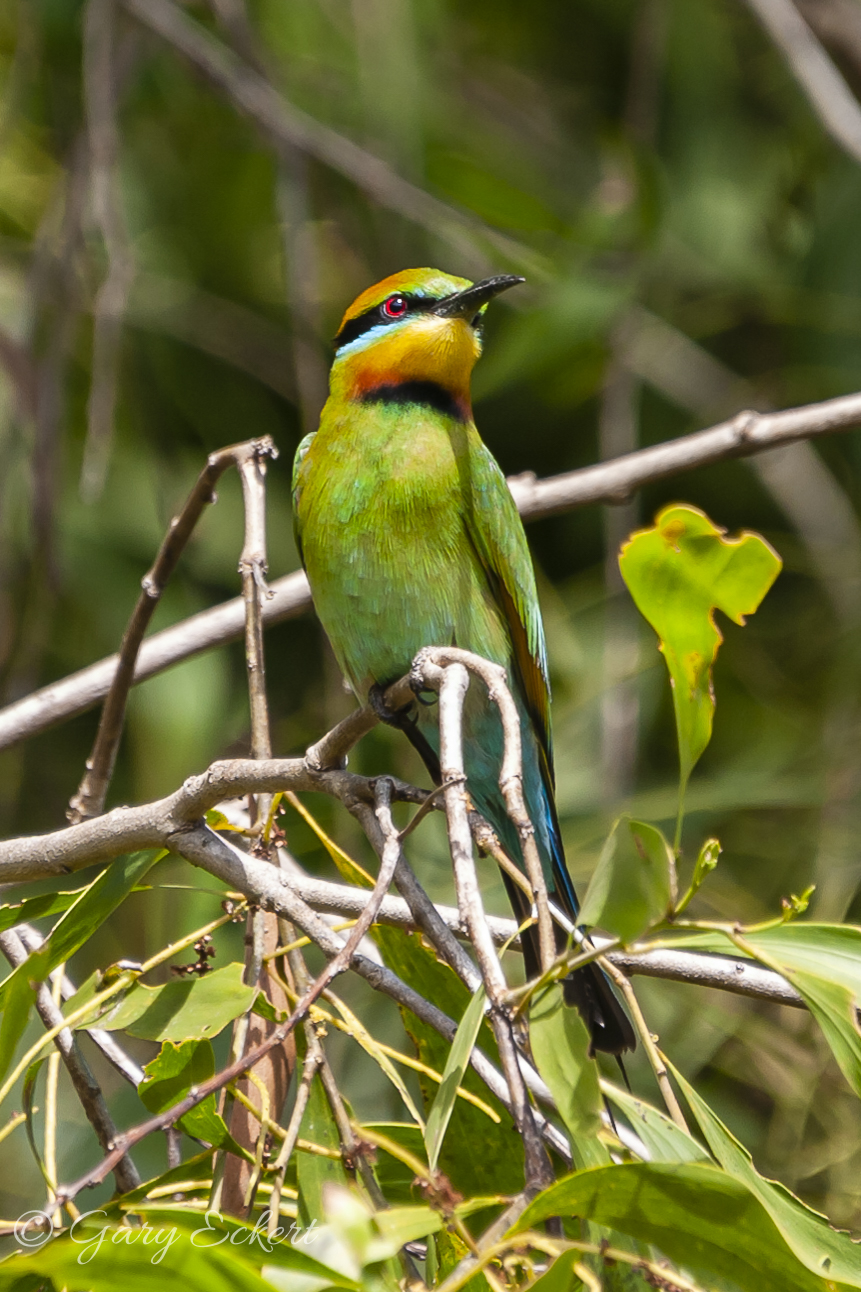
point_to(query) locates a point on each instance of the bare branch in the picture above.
(89, 800)
(253, 567)
(104, 1041)
(170, 821)
(697, 968)
(238, 1181)
(86, 1087)
(838, 24)
(741, 436)
(829, 95)
(80, 691)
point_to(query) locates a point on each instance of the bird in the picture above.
(410, 538)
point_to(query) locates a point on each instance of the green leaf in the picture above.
(99, 900)
(455, 1066)
(394, 1176)
(100, 1262)
(634, 884)
(360, 1034)
(188, 1009)
(560, 1277)
(290, 1251)
(399, 1225)
(823, 963)
(168, 1079)
(822, 1249)
(91, 908)
(498, 1168)
(834, 1009)
(560, 1047)
(314, 1171)
(831, 951)
(697, 1215)
(197, 1168)
(665, 1141)
(36, 908)
(27, 1094)
(17, 1001)
(679, 573)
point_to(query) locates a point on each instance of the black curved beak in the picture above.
(467, 303)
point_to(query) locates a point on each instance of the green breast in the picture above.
(382, 499)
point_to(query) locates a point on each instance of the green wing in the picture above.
(497, 534)
(297, 489)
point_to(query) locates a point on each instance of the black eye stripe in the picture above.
(356, 327)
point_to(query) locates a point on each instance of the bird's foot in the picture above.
(399, 718)
(406, 721)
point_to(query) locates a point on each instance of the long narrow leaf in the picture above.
(808, 1234)
(458, 1058)
(356, 1028)
(665, 1141)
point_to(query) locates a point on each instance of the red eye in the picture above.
(395, 307)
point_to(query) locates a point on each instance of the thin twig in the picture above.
(236, 1180)
(52, 1078)
(615, 481)
(253, 567)
(104, 1041)
(381, 830)
(649, 1042)
(291, 1135)
(740, 436)
(168, 821)
(90, 798)
(337, 965)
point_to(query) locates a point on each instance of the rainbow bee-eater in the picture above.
(411, 538)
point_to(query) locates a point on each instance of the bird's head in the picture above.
(417, 326)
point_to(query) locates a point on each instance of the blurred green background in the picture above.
(691, 242)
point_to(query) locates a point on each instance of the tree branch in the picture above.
(741, 436)
(89, 800)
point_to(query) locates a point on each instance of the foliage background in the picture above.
(655, 156)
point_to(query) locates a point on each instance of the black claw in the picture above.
(404, 720)
(420, 691)
(391, 717)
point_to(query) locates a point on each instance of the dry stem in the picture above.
(89, 800)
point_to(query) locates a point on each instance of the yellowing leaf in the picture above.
(348, 869)
(679, 572)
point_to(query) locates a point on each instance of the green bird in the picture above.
(410, 538)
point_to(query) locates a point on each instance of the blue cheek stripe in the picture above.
(372, 335)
